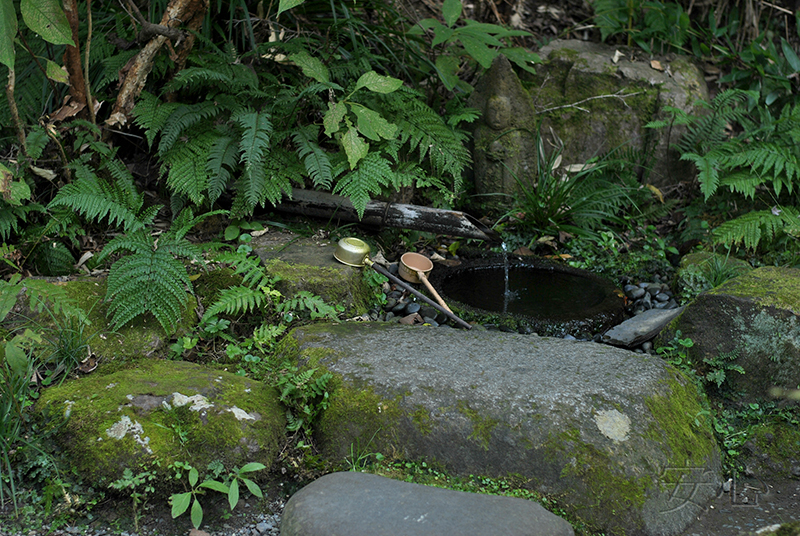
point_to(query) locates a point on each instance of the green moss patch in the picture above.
(135, 416)
(680, 426)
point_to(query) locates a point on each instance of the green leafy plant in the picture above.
(305, 396)
(470, 41)
(360, 458)
(764, 157)
(645, 23)
(139, 486)
(181, 501)
(577, 202)
(152, 279)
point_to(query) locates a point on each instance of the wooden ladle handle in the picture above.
(439, 300)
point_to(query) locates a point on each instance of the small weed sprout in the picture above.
(139, 486)
(181, 501)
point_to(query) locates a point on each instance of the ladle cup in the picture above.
(415, 268)
(355, 252)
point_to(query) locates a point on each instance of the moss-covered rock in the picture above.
(141, 337)
(304, 264)
(163, 412)
(578, 92)
(611, 432)
(753, 320)
(773, 450)
(702, 270)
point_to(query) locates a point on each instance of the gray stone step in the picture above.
(361, 504)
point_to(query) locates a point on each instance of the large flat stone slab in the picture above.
(360, 504)
(612, 433)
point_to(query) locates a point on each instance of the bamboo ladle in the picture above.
(415, 268)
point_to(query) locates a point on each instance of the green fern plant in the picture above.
(761, 154)
(257, 138)
(152, 279)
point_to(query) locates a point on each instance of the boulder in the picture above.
(579, 88)
(308, 264)
(141, 337)
(615, 434)
(588, 98)
(164, 411)
(751, 320)
(360, 504)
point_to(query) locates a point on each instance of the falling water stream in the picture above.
(508, 294)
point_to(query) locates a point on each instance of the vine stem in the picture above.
(617, 95)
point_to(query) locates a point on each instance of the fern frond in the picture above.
(151, 114)
(749, 229)
(426, 132)
(186, 166)
(372, 173)
(255, 141)
(151, 281)
(237, 300)
(96, 199)
(251, 269)
(183, 119)
(42, 294)
(282, 168)
(53, 258)
(315, 159)
(10, 216)
(222, 160)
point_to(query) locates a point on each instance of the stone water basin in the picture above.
(543, 297)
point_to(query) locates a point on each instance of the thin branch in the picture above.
(149, 30)
(87, 81)
(12, 105)
(616, 95)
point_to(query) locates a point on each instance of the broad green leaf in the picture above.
(372, 125)
(197, 514)
(8, 299)
(233, 494)
(377, 83)
(16, 358)
(479, 51)
(18, 192)
(254, 489)
(443, 33)
(8, 30)
(791, 57)
(522, 57)
(451, 11)
(193, 476)
(252, 466)
(56, 73)
(47, 18)
(447, 67)
(312, 67)
(354, 146)
(285, 5)
(215, 485)
(180, 502)
(333, 117)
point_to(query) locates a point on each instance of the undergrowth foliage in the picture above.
(255, 138)
(752, 154)
(152, 278)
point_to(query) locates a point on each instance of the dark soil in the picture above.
(749, 505)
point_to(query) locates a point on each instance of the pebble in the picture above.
(412, 307)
